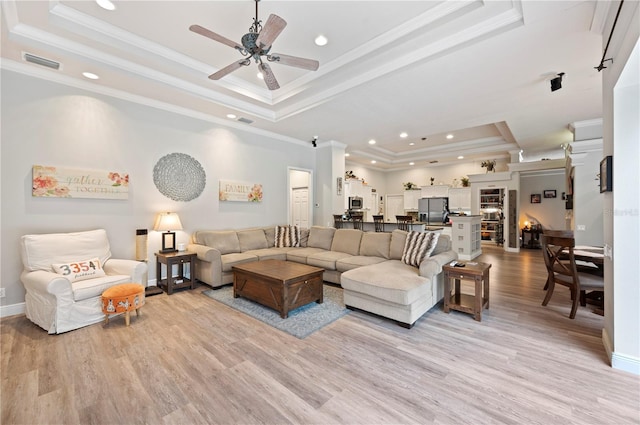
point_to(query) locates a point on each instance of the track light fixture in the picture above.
(556, 83)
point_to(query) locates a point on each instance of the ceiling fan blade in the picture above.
(229, 69)
(303, 63)
(212, 35)
(270, 31)
(269, 78)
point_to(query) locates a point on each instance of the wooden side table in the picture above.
(477, 272)
(180, 281)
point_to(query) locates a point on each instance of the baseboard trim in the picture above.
(620, 361)
(12, 309)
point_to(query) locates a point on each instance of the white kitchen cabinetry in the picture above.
(355, 187)
(465, 236)
(460, 199)
(437, 191)
(411, 198)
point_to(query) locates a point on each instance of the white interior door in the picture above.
(394, 205)
(300, 207)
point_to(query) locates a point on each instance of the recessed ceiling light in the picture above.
(232, 116)
(412, 163)
(373, 161)
(404, 135)
(106, 4)
(321, 40)
(461, 157)
(259, 75)
(90, 75)
(347, 154)
(372, 142)
(449, 136)
(411, 144)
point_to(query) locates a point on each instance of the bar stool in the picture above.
(356, 218)
(338, 223)
(404, 222)
(378, 222)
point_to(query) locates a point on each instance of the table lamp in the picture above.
(166, 222)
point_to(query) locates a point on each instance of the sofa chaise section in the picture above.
(396, 290)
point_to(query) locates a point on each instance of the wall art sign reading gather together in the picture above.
(58, 182)
(239, 191)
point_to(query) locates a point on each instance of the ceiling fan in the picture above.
(256, 44)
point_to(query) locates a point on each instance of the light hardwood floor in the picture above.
(189, 359)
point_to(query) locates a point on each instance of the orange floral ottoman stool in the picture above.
(122, 298)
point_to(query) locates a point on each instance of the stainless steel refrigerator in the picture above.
(433, 211)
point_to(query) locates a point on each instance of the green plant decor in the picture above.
(464, 181)
(409, 186)
(490, 165)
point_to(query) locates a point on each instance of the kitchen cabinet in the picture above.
(411, 198)
(436, 191)
(465, 236)
(460, 199)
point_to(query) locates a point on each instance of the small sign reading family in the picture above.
(60, 182)
(240, 191)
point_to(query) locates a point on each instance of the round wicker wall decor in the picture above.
(179, 176)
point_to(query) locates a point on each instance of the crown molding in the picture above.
(54, 77)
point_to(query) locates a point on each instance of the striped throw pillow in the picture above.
(418, 246)
(287, 236)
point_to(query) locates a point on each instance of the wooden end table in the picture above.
(478, 273)
(180, 281)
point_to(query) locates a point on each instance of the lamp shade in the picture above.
(167, 221)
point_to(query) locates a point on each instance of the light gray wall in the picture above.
(621, 92)
(50, 124)
(550, 212)
(375, 178)
(587, 200)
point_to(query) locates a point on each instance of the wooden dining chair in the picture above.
(565, 272)
(404, 222)
(356, 219)
(338, 222)
(378, 222)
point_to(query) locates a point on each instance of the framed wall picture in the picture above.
(606, 174)
(549, 193)
(536, 198)
(339, 186)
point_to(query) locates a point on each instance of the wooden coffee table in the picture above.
(281, 285)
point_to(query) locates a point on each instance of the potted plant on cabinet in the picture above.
(490, 165)
(465, 181)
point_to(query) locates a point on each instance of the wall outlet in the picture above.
(581, 227)
(2, 293)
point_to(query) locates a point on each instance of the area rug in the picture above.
(301, 322)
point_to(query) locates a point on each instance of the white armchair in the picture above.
(59, 303)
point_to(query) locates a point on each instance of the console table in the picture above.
(534, 238)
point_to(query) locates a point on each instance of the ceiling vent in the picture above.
(245, 120)
(41, 61)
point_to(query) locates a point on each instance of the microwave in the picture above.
(355, 203)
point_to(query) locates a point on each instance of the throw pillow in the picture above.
(287, 236)
(80, 270)
(418, 246)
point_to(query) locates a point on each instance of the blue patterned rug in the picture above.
(301, 322)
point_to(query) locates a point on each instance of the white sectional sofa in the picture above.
(367, 265)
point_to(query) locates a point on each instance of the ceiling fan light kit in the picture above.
(256, 44)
